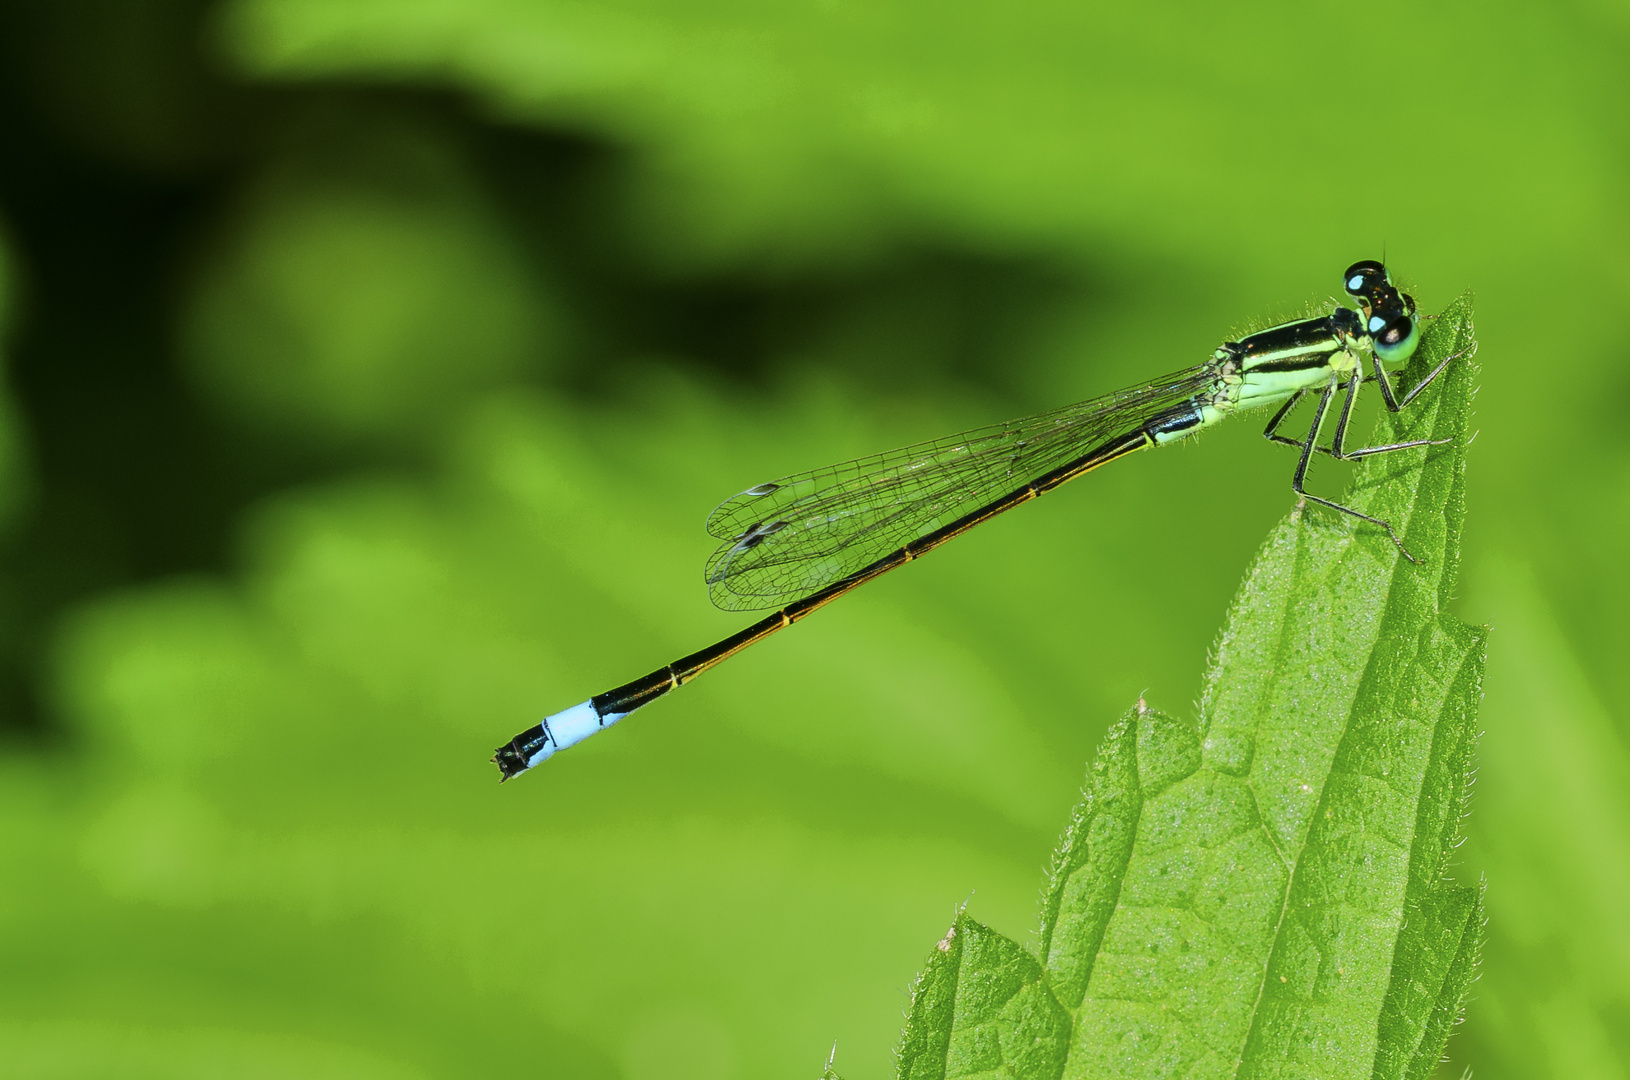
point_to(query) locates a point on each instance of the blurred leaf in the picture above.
(366, 293)
(1262, 894)
(14, 486)
(811, 126)
(282, 820)
(1551, 829)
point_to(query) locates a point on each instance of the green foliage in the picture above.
(809, 128)
(13, 459)
(483, 304)
(361, 298)
(1262, 893)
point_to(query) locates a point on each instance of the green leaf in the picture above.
(987, 1009)
(1262, 893)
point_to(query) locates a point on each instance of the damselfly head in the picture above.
(1369, 283)
(1364, 279)
(1389, 315)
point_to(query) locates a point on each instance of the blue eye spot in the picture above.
(1376, 323)
(1355, 283)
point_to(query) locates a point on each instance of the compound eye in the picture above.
(1363, 277)
(1397, 339)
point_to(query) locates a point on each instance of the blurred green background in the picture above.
(370, 368)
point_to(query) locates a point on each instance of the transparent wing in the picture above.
(788, 539)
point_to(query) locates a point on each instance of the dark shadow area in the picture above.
(124, 149)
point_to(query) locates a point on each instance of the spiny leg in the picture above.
(1393, 404)
(1271, 432)
(1387, 448)
(1337, 448)
(1338, 443)
(1307, 456)
(1312, 436)
(1347, 405)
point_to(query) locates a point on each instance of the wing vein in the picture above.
(785, 540)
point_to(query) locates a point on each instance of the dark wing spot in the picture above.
(757, 534)
(762, 489)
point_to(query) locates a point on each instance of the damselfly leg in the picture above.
(1337, 448)
(1307, 456)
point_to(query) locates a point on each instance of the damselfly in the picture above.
(801, 542)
